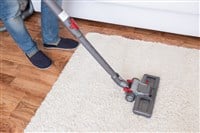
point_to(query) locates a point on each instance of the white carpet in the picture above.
(84, 98)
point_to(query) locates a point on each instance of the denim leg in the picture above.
(15, 27)
(10, 15)
(50, 25)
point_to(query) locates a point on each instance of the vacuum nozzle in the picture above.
(144, 93)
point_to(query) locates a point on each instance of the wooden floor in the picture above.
(23, 87)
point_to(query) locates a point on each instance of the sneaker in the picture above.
(40, 60)
(64, 44)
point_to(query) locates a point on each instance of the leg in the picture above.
(50, 25)
(10, 15)
(50, 30)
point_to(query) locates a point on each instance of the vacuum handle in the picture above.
(74, 29)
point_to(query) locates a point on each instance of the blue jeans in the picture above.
(50, 25)
(10, 15)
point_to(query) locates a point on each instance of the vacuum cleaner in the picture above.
(143, 92)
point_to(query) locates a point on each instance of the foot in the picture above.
(40, 60)
(64, 44)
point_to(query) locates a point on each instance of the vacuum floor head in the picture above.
(144, 93)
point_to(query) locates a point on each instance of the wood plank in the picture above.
(10, 98)
(30, 85)
(11, 125)
(6, 78)
(8, 67)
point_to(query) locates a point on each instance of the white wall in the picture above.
(162, 15)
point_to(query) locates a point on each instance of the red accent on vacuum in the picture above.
(73, 24)
(127, 90)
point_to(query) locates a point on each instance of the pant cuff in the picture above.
(54, 43)
(32, 51)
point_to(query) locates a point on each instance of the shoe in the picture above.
(64, 44)
(40, 60)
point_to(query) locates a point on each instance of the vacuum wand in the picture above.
(74, 29)
(143, 92)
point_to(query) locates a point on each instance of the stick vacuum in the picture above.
(143, 92)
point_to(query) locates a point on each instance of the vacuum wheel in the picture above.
(130, 97)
